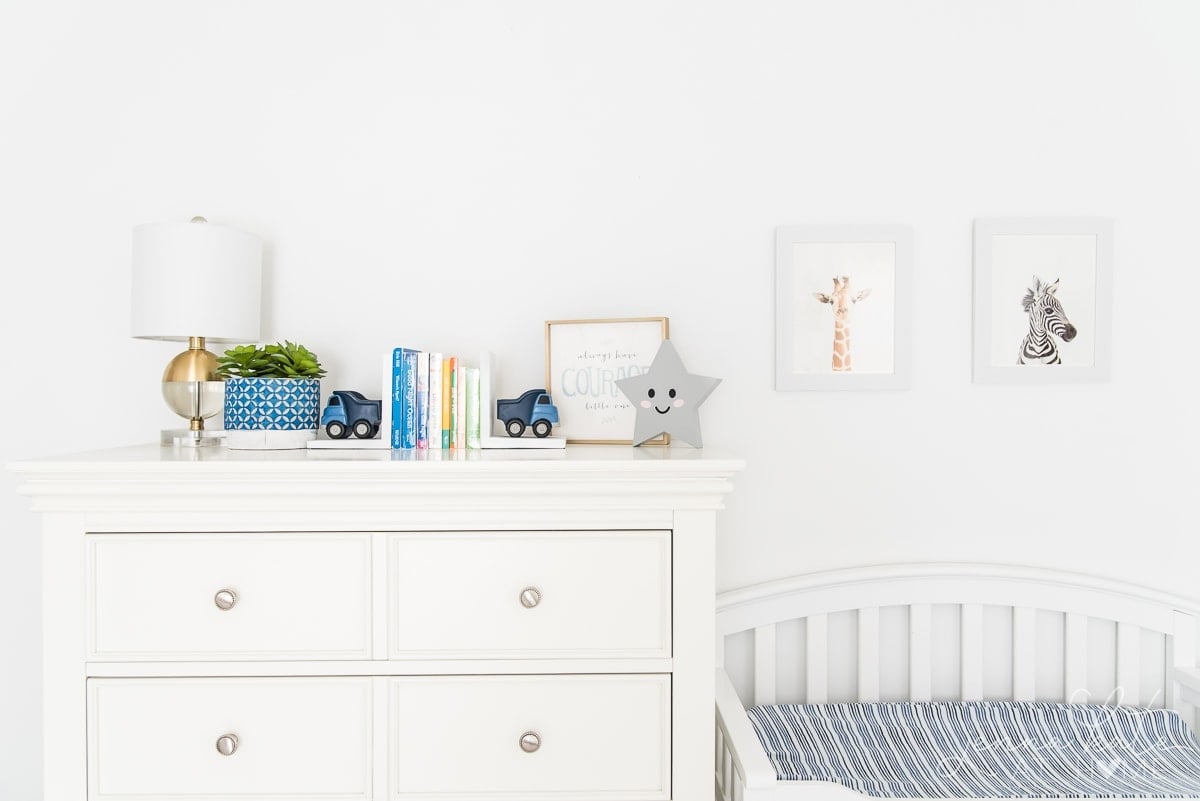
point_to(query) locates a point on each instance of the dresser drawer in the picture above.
(600, 738)
(229, 596)
(595, 594)
(204, 739)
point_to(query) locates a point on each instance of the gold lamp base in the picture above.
(195, 391)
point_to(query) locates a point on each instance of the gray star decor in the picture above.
(667, 398)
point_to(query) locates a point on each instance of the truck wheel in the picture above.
(336, 430)
(362, 429)
(514, 427)
(541, 429)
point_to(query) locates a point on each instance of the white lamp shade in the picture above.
(196, 280)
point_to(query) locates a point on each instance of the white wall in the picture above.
(534, 160)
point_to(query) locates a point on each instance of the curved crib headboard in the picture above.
(906, 632)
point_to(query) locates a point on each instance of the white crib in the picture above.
(939, 632)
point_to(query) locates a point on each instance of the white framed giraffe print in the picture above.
(1043, 299)
(843, 299)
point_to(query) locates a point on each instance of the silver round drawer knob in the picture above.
(225, 599)
(227, 744)
(530, 742)
(531, 597)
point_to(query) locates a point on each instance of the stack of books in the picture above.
(435, 401)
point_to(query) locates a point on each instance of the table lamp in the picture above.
(195, 282)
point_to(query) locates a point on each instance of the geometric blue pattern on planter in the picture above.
(274, 404)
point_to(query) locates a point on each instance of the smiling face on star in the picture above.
(662, 402)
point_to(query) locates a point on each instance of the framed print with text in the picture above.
(584, 360)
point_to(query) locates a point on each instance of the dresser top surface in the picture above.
(573, 459)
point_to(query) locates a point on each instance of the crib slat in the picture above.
(764, 665)
(1024, 653)
(1129, 664)
(817, 658)
(971, 651)
(868, 654)
(1181, 653)
(1075, 659)
(719, 761)
(920, 652)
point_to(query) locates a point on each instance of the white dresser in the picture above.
(350, 626)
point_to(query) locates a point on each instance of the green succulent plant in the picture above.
(293, 360)
(244, 361)
(281, 360)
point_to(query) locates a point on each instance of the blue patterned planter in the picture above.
(272, 404)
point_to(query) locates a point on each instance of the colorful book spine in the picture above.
(435, 400)
(460, 398)
(399, 408)
(410, 398)
(473, 440)
(447, 364)
(422, 400)
(404, 398)
(454, 385)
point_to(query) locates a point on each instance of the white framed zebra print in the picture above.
(1043, 300)
(843, 306)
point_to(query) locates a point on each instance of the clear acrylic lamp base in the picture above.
(183, 438)
(194, 401)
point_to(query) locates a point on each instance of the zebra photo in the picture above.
(1048, 323)
(1060, 271)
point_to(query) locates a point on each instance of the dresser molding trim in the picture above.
(379, 667)
(596, 478)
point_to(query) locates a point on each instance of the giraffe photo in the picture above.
(844, 308)
(843, 300)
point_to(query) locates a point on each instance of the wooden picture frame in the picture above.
(821, 273)
(583, 360)
(1021, 264)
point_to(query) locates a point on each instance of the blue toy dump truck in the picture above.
(348, 412)
(533, 409)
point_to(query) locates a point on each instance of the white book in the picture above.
(473, 438)
(461, 400)
(435, 401)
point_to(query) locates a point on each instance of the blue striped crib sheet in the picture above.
(983, 749)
